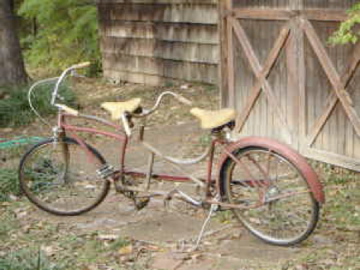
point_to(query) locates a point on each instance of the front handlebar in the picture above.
(81, 65)
(65, 73)
(63, 76)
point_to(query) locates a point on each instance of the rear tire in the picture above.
(283, 221)
(61, 178)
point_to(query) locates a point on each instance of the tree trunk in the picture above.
(12, 70)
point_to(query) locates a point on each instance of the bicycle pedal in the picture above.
(105, 171)
(141, 203)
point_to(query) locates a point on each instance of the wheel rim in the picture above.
(280, 221)
(63, 183)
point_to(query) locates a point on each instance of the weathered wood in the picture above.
(300, 93)
(164, 68)
(170, 39)
(199, 2)
(325, 14)
(255, 92)
(223, 72)
(286, 14)
(181, 51)
(164, 13)
(292, 62)
(230, 59)
(332, 158)
(263, 3)
(263, 14)
(137, 77)
(175, 32)
(318, 105)
(333, 99)
(332, 74)
(256, 67)
(271, 73)
(329, 4)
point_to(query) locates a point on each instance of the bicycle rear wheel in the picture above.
(60, 177)
(279, 207)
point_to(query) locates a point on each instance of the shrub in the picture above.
(66, 33)
(348, 31)
(15, 110)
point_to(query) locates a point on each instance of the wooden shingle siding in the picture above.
(155, 66)
(189, 52)
(262, 3)
(171, 40)
(173, 32)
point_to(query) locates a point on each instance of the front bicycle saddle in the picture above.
(116, 109)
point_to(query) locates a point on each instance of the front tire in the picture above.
(60, 177)
(261, 175)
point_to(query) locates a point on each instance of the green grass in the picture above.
(15, 110)
(118, 244)
(8, 223)
(342, 208)
(27, 259)
(339, 225)
(8, 183)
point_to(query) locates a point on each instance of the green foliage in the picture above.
(15, 109)
(27, 259)
(67, 33)
(348, 31)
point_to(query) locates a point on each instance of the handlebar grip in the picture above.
(184, 100)
(68, 109)
(81, 65)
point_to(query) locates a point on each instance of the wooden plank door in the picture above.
(288, 83)
(332, 94)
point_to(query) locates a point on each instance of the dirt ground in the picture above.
(159, 237)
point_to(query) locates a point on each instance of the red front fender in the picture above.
(294, 157)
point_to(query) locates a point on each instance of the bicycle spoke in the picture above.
(61, 183)
(289, 211)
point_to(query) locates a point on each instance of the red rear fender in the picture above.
(284, 150)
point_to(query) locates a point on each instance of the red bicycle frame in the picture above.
(123, 139)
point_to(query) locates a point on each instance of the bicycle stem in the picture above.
(63, 76)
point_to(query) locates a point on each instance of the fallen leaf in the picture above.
(108, 237)
(126, 250)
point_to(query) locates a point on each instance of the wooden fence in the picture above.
(154, 42)
(286, 82)
(277, 68)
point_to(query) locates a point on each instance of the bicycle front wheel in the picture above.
(61, 178)
(277, 204)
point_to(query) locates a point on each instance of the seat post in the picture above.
(150, 170)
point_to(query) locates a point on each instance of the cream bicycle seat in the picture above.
(116, 109)
(213, 119)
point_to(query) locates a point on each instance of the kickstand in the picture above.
(213, 208)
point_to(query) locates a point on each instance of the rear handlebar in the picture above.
(180, 98)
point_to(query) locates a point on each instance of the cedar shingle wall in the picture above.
(153, 42)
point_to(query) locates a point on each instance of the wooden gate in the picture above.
(287, 82)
